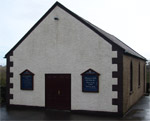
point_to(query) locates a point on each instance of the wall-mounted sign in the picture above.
(26, 80)
(90, 81)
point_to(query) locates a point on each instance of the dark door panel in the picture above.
(58, 91)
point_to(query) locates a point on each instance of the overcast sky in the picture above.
(128, 20)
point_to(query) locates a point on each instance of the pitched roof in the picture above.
(127, 49)
(110, 38)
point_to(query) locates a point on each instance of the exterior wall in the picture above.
(131, 98)
(65, 46)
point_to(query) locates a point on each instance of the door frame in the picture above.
(70, 86)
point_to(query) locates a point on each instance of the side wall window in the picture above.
(26, 80)
(144, 72)
(144, 76)
(131, 77)
(139, 80)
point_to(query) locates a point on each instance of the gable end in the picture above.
(71, 13)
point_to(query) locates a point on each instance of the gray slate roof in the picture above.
(127, 49)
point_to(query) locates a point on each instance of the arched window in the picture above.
(26, 80)
(131, 78)
(144, 72)
(139, 80)
(144, 77)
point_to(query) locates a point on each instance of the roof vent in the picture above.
(56, 18)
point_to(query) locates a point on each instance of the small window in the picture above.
(131, 78)
(26, 78)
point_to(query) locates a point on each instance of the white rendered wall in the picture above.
(65, 46)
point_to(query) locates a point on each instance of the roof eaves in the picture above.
(142, 58)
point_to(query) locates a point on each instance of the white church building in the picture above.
(65, 62)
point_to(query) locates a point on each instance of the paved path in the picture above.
(140, 112)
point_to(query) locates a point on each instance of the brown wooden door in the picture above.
(58, 91)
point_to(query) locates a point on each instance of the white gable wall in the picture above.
(64, 46)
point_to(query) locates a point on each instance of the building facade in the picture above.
(65, 62)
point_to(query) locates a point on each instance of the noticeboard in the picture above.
(27, 80)
(90, 81)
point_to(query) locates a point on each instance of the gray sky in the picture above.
(128, 20)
